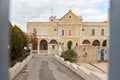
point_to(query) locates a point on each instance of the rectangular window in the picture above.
(44, 31)
(62, 32)
(76, 32)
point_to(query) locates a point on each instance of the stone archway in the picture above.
(53, 41)
(96, 43)
(53, 46)
(43, 46)
(104, 44)
(86, 42)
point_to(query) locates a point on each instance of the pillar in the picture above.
(38, 47)
(49, 48)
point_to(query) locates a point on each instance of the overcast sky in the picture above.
(23, 11)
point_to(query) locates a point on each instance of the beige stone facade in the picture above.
(87, 54)
(69, 27)
(91, 54)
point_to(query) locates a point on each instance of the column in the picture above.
(38, 47)
(48, 52)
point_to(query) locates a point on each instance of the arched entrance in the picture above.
(86, 42)
(104, 44)
(96, 43)
(53, 44)
(43, 46)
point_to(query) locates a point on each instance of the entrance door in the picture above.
(102, 55)
(53, 49)
(99, 55)
(43, 46)
(54, 46)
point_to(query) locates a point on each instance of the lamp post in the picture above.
(25, 49)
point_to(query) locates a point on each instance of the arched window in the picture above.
(86, 42)
(53, 42)
(76, 44)
(62, 32)
(34, 31)
(104, 44)
(93, 32)
(96, 43)
(102, 32)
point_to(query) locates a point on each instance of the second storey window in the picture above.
(34, 31)
(44, 31)
(62, 32)
(93, 32)
(69, 32)
(102, 32)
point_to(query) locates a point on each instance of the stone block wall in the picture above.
(86, 54)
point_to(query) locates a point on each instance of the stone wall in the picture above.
(86, 54)
(18, 67)
(82, 71)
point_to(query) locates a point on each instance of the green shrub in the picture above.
(18, 41)
(69, 55)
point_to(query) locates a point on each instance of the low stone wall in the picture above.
(18, 67)
(79, 70)
(87, 54)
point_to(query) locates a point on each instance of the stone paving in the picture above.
(103, 65)
(46, 68)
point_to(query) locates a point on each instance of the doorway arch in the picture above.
(53, 41)
(104, 44)
(43, 45)
(86, 42)
(96, 43)
(53, 44)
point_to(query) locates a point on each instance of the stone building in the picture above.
(91, 54)
(58, 32)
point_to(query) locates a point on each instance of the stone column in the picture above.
(48, 52)
(38, 47)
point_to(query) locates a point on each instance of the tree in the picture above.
(69, 55)
(18, 41)
(34, 42)
(69, 45)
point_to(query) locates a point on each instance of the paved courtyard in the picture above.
(46, 68)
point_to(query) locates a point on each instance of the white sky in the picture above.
(23, 11)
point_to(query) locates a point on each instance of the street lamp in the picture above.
(25, 50)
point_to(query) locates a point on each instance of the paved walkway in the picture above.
(46, 68)
(98, 67)
(103, 65)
